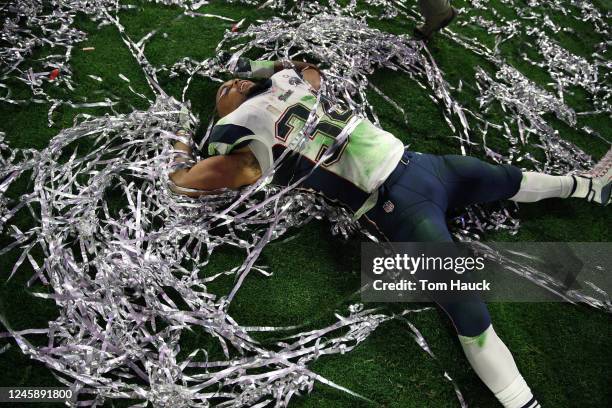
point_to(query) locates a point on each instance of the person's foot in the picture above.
(600, 181)
(602, 190)
(426, 31)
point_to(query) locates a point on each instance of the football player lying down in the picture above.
(404, 194)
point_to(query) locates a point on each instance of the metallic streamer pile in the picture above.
(26, 28)
(127, 259)
(529, 103)
(563, 66)
(32, 27)
(105, 264)
(349, 55)
(524, 101)
(187, 5)
(112, 263)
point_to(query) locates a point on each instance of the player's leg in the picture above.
(470, 180)
(488, 355)
(438, 14)
(538, 186)
(415, 212)
(594, 186)
(493, 363)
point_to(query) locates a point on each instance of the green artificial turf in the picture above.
(560, 349)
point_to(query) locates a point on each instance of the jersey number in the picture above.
(293, 120)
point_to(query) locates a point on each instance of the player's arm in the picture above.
(232, 171)
(310, 72)
(265, 69)
(297, 65)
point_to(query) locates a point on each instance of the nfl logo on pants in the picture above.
(388, 206)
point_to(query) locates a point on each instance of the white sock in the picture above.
(493, 363)
(518, 391)
(538, 186)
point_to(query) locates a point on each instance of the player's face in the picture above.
(231, 95)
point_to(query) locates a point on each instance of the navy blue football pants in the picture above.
(421, 190)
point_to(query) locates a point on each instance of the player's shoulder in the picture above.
(232, 127)
(226, 137)
(228, 132)
(241, 116)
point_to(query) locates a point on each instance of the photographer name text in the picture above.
(426, 285)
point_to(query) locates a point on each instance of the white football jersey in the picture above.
(272, 122)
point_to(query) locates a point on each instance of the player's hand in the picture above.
(223, 58)
(242, 66)
(305, 66)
